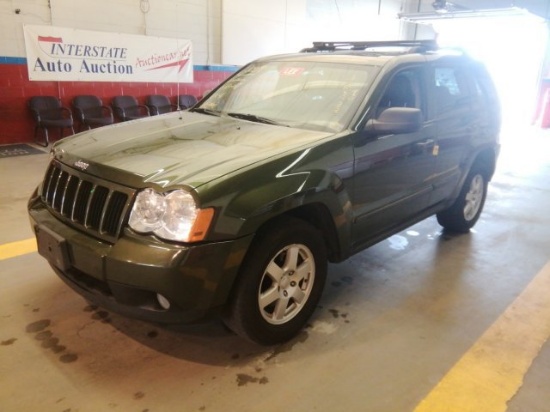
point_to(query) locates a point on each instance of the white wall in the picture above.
(11, 24)
(252, 28)
(222, 31)
(196, 20)
(354, 19)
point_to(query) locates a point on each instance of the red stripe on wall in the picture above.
(18, 125)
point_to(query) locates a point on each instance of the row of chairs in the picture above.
(90, 111)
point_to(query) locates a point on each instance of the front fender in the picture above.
(315, 176)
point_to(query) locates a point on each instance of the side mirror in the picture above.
(396, 120)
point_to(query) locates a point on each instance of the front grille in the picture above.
(97, 206)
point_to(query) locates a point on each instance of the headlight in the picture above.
(171, 216)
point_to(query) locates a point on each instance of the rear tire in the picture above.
(279, 284)
(467, 208)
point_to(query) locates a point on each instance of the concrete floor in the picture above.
(394, 320)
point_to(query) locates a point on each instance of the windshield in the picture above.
(310, 95)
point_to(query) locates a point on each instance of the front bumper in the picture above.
(125, 277)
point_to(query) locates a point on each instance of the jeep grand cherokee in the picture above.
(237, 204)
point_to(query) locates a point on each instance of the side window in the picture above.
(483, 89)
(403, 90)
(485, 100)
(452, 91)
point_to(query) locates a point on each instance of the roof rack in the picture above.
(414, 45)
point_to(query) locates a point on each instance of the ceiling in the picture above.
(538, 7)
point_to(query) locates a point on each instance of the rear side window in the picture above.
(452, 91)
(485, 88)
(485, 96)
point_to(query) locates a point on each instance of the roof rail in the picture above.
(414, 45)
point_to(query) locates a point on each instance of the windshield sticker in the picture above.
(292, 71)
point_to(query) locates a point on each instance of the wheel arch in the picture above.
(318, 215)
(487, 160)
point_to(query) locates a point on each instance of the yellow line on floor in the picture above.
(14, 249)
(492, 371)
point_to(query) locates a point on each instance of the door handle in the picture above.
(429, 145)
(426, 144)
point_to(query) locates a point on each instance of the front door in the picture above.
(393, 173)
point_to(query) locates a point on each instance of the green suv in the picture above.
(236, 205)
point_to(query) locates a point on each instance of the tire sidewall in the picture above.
(454, 217)
(466, 189)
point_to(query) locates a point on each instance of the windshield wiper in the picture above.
(255, 118)
(205, 111)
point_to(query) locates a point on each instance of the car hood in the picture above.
(181, 148)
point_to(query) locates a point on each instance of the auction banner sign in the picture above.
(63, 54)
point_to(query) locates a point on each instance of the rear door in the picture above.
(452, 100)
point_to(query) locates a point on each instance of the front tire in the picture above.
(465, 212)
(280, 283)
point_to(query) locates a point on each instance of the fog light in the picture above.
(163, 302)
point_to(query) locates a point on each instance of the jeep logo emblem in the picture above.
(81, 165)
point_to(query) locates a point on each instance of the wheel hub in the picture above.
(286, 284)
(286, 280)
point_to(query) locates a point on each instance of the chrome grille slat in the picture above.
(82, 202)
(69, 196)
(94, 205)
(73, 206)
(90, 196)
(60, 188)
(116, 207)
(52, 186)
(48, 180)
(105, 211)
